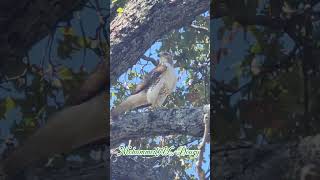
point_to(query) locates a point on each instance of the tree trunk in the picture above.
(142, 23)
(287, 161)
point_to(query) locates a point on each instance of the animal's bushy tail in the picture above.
(65, 131)
(130, 103)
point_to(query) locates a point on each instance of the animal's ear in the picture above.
(97, 82)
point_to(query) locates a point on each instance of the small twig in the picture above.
(154, 62)
(201, 147)
(283, 64)
(45, 52)
(235, 148)
(102, 23)
(5, 88)
(49, 52)
(84, 40)
(16, 77)
(200, 28)
(101, 20)
(208, 171)
(89, 6)
(92, 5)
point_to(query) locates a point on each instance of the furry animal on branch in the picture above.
(153, 90)
(83, 122)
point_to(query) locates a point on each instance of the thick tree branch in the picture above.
(272, 161)
(142, 23)
(220, 10)
(187, 121)
(139, 168)
(73, 171)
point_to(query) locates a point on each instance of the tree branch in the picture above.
(153, 61)
(187, 121)
(272, 161)
(73, 171)
(130, 36)
(287, 25)
(200, 29)
(283, 64)
(220, 10)
(200, 171)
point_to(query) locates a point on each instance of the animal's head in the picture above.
(166, 57)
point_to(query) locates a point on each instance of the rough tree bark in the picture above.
(71, 171)
(142, 23)
(187, 121)
(290, 161)
(137, 169)
(183, 121)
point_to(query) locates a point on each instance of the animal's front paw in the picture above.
(151, 108)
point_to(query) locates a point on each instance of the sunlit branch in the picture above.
(200, 28)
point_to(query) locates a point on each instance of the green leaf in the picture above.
(29, 122)
(65, 74)
(57, 83)
(68, 31)
(120, 10)
(130, 86)
(84, 42)
(9, 104)
(256, 48)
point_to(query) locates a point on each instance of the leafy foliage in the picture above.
(49, 79)
(264, 78)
